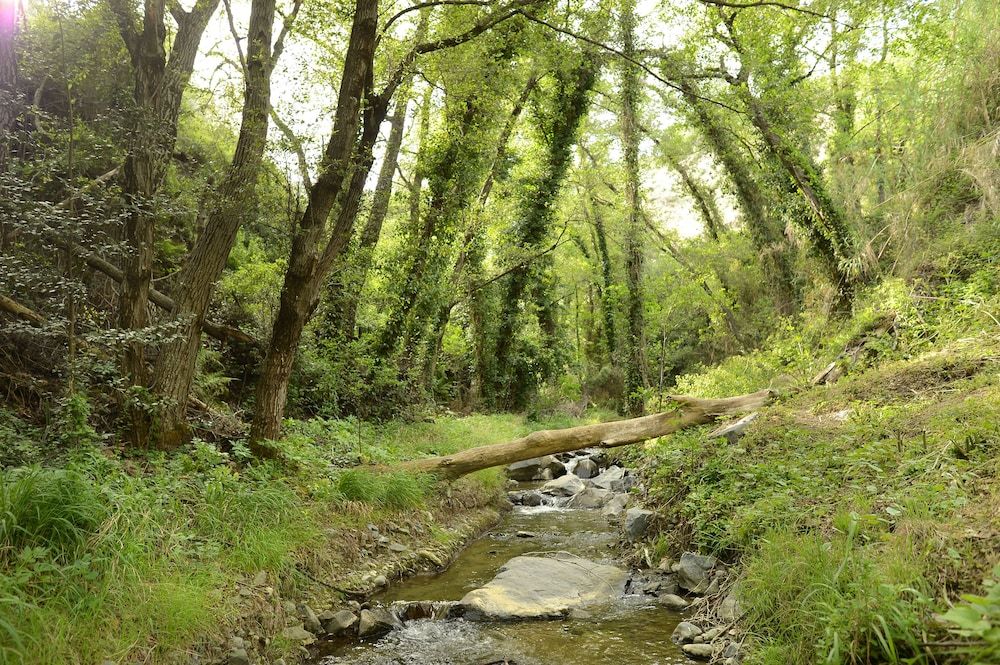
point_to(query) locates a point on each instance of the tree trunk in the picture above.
(175, 367)
(9, 105)
(692, 411)
(343, 301)
(703, 199)
(635, 367)
(158, 86)
(570, 106)
(765, 234)
(341, 166)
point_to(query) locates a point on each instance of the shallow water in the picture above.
(632, 631)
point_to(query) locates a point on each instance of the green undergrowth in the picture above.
(133, 557)
(862, 515)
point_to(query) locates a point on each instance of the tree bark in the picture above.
(691, 412)
(175, 367)
(703, 199)
(158, 86)
(8, 76)
(635, 368)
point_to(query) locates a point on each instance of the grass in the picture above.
(135, 558)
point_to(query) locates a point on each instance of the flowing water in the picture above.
(632, 631)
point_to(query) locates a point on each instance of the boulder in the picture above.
(535, 587)
(685, 632)
(636, 523)
(377, 622)
(567, 485)
(698, 651)
(693, 571)
(615, 506)
(590, 498)
(533, 469)
(340, 623)
(612, 479)
(672, 602)
(586, 468)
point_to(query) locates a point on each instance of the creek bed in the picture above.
(632, 630)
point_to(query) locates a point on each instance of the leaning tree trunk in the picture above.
(175, 367)
(692, 411)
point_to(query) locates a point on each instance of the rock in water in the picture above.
(698, 651)
(693, 570)
(534, 587)
(340, 623)
(637, 521)
(685, 632)
(377, 622)
(590, 498)
(567, 485)
(672, 602)
(585, 468)
(298, 634)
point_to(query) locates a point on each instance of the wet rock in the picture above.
(380, 581)
(376, 622)
(567, 485)
(585, 468)
(297, 633)
(685, 632)
(612, 479)
(422, 609)
(672, 602)
(431, 557)
(309, 619)
(398, 547)
(698, 651)
(636, 523)
(590, 498)
(524, 534)
(533, 469)
(692, 571)
(729, 609)
(534, 587)
(526, 498)
(615, 506)
(340, 623)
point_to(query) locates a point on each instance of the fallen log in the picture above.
(691, 411)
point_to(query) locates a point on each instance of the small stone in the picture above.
(713, 588)
(431, 557)
(260, 579)
(698, 651)
(524, 534)
(692, 572)
(298, 633)
(729, 609)
(398, 547)
(672, 602)
(380, 581)
(710, 634)
(288, 606)
(732, 650)
(685, 632)
(236, 642)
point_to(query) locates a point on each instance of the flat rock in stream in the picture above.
(534, 587)
(591, 497)
(567, 485)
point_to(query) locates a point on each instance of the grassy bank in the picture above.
(107, 554)
(860, 515)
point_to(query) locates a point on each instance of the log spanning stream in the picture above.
(631, 628)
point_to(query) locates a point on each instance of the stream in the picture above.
(632, 629)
